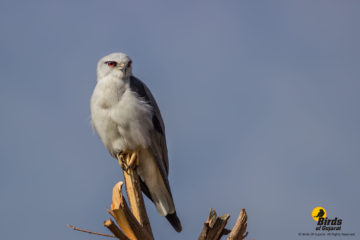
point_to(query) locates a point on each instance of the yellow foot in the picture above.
(128, 160)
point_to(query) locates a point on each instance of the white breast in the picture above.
(121, 119)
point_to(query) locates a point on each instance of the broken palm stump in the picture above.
(134, 224)
(214, 227)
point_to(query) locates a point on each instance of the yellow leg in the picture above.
(128, 159)
(122, 158)
(134, 160)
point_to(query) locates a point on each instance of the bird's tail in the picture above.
(171, 217)
(174, 221)
(156, 187)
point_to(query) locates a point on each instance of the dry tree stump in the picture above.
(214, 227)
(134, 224)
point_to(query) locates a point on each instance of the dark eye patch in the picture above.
(111, 63)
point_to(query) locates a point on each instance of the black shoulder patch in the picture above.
(138, 87)
(157, 125)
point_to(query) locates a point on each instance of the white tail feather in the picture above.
(150, 174)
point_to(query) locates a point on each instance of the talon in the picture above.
(133, 162)
(121, 156)
(128, 160)
(122, 164)
(126, 169)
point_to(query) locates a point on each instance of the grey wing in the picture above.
(158, 139)
(159, 150)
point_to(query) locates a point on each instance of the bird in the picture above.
(126, 117)
(320, 214)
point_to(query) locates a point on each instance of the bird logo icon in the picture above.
(318, 212)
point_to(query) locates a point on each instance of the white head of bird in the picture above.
(114, 65)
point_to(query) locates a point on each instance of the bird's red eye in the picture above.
(111, 63)
(129, 64)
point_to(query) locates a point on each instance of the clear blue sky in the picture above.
(260, 101)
